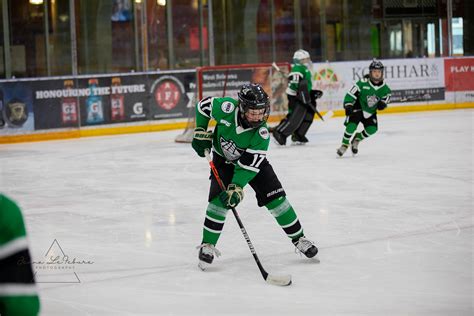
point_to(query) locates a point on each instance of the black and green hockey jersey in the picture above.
(244, 147)
(18, 294)
(298, 73)
(364, 95)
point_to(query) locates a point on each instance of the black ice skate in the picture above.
(341, 150)
(306, 247)
(354, 145)
(280, 139)
(206, 255)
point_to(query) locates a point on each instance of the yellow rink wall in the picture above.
(103, 131)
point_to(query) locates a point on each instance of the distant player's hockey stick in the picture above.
(274, 65)
(327, 115)
(282, 280)
(313, 108)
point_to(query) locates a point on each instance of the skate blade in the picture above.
(298, 144)
(278, 144)
(203, 265)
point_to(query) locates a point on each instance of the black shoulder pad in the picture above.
(205, 106)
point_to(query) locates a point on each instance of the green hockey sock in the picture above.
(214, 222)
(286, 217)
(350, 129)
(367, 132)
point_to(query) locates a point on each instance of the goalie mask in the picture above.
(376, 71)
(302, 57)
(254, 105)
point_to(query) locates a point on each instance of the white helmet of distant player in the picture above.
(302, 57)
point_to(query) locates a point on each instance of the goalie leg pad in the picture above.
(291, 123)
(300, 133)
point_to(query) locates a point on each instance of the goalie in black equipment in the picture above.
(301, 101)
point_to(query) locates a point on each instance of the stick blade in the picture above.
(281, 280)
(328, 115)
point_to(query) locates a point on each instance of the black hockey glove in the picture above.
(315, 94)
(381, 105)
(232, 196)
(202, 141)
(349, 109)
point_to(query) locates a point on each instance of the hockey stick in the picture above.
(328, 115)
(313, 108)
(274, 65)
(282, 280)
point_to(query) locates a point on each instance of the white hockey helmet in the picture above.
(300, 55)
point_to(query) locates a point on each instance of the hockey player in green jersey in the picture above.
(18, 294)
(301, 101)
(239, 145)
(361, 104)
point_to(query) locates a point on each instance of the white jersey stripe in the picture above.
(247, 167)
(253, 151)
(15, 289)
(14, 246)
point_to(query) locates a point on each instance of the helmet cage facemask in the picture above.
(245, 106)
(373, 79)
(376, 65)
(253, 97)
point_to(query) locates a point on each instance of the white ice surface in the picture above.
(394, 224)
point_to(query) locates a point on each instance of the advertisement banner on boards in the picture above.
(56, 103)
(459, 73)
(171, 94)
(16, 108)
(227, 82)
(113, 99)
(411, 80)
(69, 102)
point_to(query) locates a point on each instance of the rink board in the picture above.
(96, 105)
(128, 129)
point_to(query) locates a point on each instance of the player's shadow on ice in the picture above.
(304, 261)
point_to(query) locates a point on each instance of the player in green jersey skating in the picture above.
(18, 294)
(239, 144)
(301, 101)
(361, 104)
